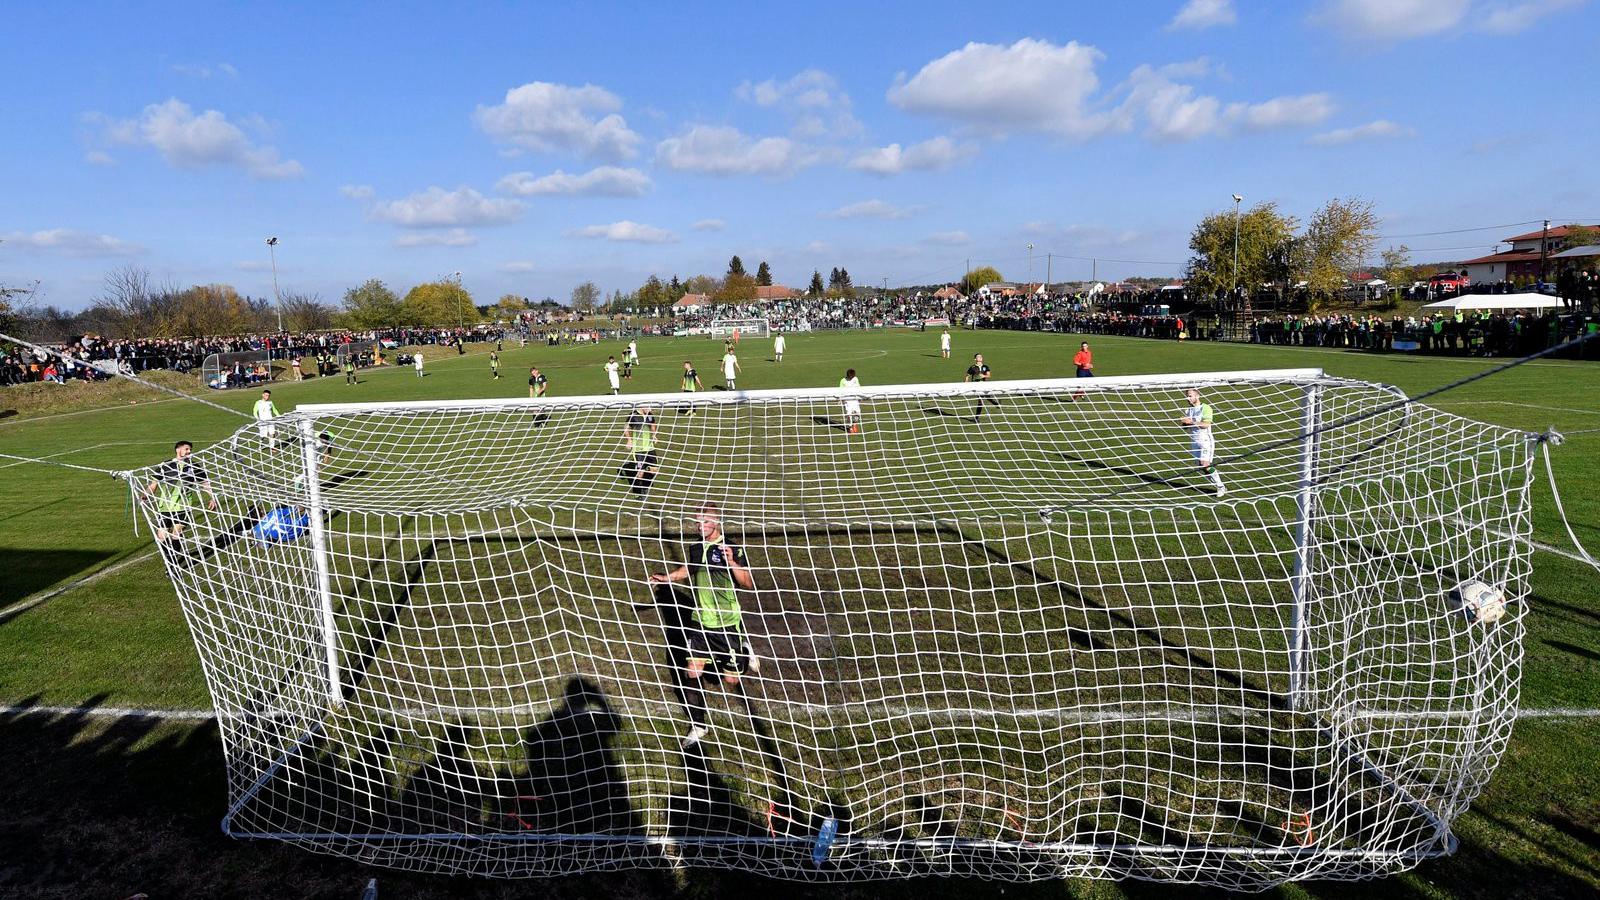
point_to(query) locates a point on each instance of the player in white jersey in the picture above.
(265, 411)
(730, 370)
(633, 352)
(416, 362)
(611, 375)
(1199, 420)
(850, 384)
(777, 348)
(944, 344)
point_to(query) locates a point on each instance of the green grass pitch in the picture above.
(118, 639)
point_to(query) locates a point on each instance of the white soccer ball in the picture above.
(1481, 602)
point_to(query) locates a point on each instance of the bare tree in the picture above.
(584, 297)
(306, 312)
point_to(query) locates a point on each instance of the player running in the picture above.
(979, 372)
(730, 370)
(1083, 361)
(639, 434)
(850, 384)
(691, 381)
(777, 348)
(944, 344)
(537, 383)
(612, 376)
(176, 488)
(716, 571)
(1197, 420)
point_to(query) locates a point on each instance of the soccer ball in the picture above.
(1481, 602)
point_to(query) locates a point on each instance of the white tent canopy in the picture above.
(1498, 301)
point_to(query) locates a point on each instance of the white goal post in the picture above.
(743, 327)
(1005, 629)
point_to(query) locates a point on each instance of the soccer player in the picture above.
(1083, 360)
(850, 384)
(350, 370)
(537, 383)
(1197, 420)
(691, 381)
(944, 344)
(611, 375)
(416, 362)
(978, 372)
(627, 367)
(716, 571)
(265, 411)
(730, 370)
(176, 487)
(777, 348)
(494, 364)
(633, 353)
(639, 435)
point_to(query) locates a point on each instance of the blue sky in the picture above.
(531, 148)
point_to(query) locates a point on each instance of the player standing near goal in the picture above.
(979, 372)
(777, 348)
(850, 384)
(730, 370)
(537, 383)
(944, 344)
(639, 434)
(691, 381)
(716, 572)
(1197, 420)
(612, 378)
(176, 487)
(416, 362)
(265, 411)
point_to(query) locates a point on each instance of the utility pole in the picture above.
(1544, 248)
(1047, 259)
(1030, 261)
(277, 299)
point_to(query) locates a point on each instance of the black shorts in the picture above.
(169, 520)
(725, 649)
(645, 460)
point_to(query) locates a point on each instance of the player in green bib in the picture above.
(691, 382)
(716, 572)
(176, 490)
(639, 435)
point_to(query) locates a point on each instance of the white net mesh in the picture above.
(1005, 629)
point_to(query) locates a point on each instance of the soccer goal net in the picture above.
(365, 353)
(742, 327)
(1007, 630)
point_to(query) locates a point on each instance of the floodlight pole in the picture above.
(1236, 201)
(277, 299)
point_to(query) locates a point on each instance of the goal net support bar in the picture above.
(1000, 629)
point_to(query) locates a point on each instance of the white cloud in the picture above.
(605, 181)
(557, 117)
(930, 155)
(66, 242)
(721, 150)
(455, 237)
(99, 158)
(1392, 21)
(1037, 86)
(812, 99)
(1032, 85)
(1174, 111)
(439, 208)
(1202, 14)
(205, 70)
(518, 266)
(709, 225)
(628, 231)
(357, 191)
(869, 209)
(1381, 128)
(949, 238)
(190, 141)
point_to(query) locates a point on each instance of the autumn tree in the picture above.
(1338, 239)
(979, 277)
(1264, 236)
(585, 296)
(443, 302)
(373, 305)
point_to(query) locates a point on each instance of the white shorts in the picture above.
(852, 408)
(269, 433)
(1203, 446)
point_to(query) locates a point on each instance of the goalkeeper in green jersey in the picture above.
(639, 435)
(716, 571)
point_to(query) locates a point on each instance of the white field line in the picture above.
(28, 603)
(84, 412)
(1564, 409)
(85, 449)
(813, 710)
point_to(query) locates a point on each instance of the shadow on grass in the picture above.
(26, 572)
